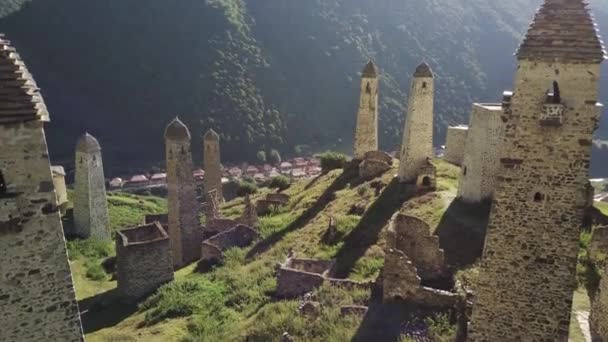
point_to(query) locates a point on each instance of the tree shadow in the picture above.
(462, 232)
(104, 310)
(350, 173)
(373, 221)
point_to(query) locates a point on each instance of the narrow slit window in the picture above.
(423, 85)
(538, 197)
(3, 187)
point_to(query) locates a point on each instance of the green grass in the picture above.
(128, 210)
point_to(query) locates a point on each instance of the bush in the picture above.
(246, 188)
(261, 156)
(279, 182)
(95, 271)
(332, 160)
(90, 248)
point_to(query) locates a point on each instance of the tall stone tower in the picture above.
(417, 146)
(527, 276)
(366, 136)
(212, 164)
(37, 300)
(184, 225)
(90, 203)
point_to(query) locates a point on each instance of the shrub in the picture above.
(95, 271)
(261, 156)
(440, 328)
(332, 160)
(246, 188)
(90, 248)
(279, 182)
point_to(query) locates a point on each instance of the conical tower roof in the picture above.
(20, 98)
(211, 135)
(370, 70)
(87, 144)
(563, 30)
(423, 70)
(176, 130)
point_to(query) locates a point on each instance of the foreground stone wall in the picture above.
(454, 144)
(143, 260)
(91, 218)
(184, 225)
(296, 277)
(598, 320)
(481, 161)
(532, 241)
(366, 135)
(417, 144)
(37, 300)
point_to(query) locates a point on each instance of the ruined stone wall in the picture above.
(184, 225)
(37, 300)
(366, 136)
(212, 164)
(455, 143)
(91, 218)
(481, 162)
(239, 236)
(598, 320)
(399, 277)
(413, 237)
(599, 242)
(417, 143)
(532, 242)
(143, 260)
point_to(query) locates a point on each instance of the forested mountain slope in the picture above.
(266, 74)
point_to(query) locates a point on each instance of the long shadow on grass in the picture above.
(462, 232)
(368, 230)
(350, 173)
(104, 310)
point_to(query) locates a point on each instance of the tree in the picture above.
(261, 155)
(275, 157)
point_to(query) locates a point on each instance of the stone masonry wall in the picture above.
(91, 218)
(528, 272)
(239, 236)
(454, 144)
(417, 143)
(599, 312)
(184, 225)
(37, 300)
(481, 162)
(212, 164)
(366, 135)
(143, 260)
(413, 237)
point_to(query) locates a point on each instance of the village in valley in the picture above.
(499, 235)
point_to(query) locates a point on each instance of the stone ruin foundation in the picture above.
(144, 260)
(265, 206)
(374, 164)
(212, 250)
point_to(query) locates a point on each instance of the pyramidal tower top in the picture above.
(370, 70)
(211, 135)
(88, 144)
(176, 130)
(21, 99)
(423, 71)
(563, 31)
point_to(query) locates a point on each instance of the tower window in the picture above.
(3, 187)
(538, 197)
(423, 85)
(464, 172)
(368, 89)
(426, 181)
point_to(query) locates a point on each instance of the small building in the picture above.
(61, 189)
(285, 167)
(116, 183)
(235, 172)
(158, 178)
(259, 177)
(298, 173)
(251, 170)
(143, 260)
(138, 180)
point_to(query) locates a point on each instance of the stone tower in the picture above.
(184, 225)
(480, 162)
(90, 203)
(417, 146)
(212, 164)
(527, 276)
(366, 136)
(37, 300)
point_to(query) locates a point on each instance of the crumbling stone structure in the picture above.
(212, 164)
(240, 236)
(455, 143)
(532, 241)
(264, 206)
(366, 135)
(184, 225)
(412, 236)
(211, 207)
(481, 162)
(427, 176)
(295, 277)
(250, 214)
(61, 190)
(37, 300)
(91, 218)
(374, 164)
(417, 146)
(143, 260)
(599, 242)
(598, 319)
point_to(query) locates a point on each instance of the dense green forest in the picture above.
(265, 74)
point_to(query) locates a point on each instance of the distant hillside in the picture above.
(266, 74)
